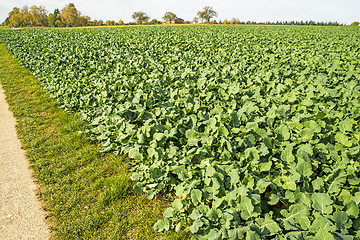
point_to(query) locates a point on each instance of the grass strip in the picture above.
(86, 194)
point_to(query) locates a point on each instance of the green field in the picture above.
(252, 131)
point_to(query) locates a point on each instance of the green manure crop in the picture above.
(253, 131)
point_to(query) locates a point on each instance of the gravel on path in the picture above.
(21, 216)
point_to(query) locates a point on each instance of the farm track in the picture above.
(21, 216)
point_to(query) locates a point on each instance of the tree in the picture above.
(155, 21)
(140, 17)
(83, 20)
(355, 24)
(38, 16)
(207, 14)
(69, 15)
(51, 20)
(195, 20)
(169, 16)
(226, 21)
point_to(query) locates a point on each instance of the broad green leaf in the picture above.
(340, 219)
(162, 225)
(287, 154)
(304, 168)
(169, 212)
(195, 214)
(274, 199)
(284, 132)
(194, 228)
(295, 212)
(135, 154)
(246, 207)
(177, 204)
(196, 195)
(268, 226)
(213, 214)
(343, 139)
(322, 203)
(336, 181)
(324, 235)
(214, 234)
(235, 178)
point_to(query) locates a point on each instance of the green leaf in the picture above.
(194, 228)
(307, 148)
(261, 185)
(177, 204)
(340, 219)
(169, 212)
(317, 184)
(246, 207)
(214, 234)
(287, 155)
(274, 199)
(196, 195)
(135, 154)
(322, 203)
(161, 225)
(322, 224)
(268, 226)
(343, 139)
(303, 198)
(195, 214)
(234, 176)
(213, 214)
(304, 168)
(323, 235)
(223, 131)
(158, 136)
(336, 180)
(212, 123)
(284, 132)
(295, 212)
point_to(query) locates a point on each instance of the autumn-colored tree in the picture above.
(58, 22)
(354, 24)
(38, 16)
(206, 14)
(169, 16)
(83, 20)
(140, 17)
(51, 20)
(226, 21)
(69, 15)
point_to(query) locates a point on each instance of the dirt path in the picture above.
(21, 216)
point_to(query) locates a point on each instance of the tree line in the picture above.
(69, 16)
(36, 16)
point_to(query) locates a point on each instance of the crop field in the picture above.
(254, 132)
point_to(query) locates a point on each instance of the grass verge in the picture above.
(86, 194)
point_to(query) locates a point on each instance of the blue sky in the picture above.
(343, 11)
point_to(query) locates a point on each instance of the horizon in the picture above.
(264, 11)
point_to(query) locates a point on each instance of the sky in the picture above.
(342, 11)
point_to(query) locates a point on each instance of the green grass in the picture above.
(87, 194)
